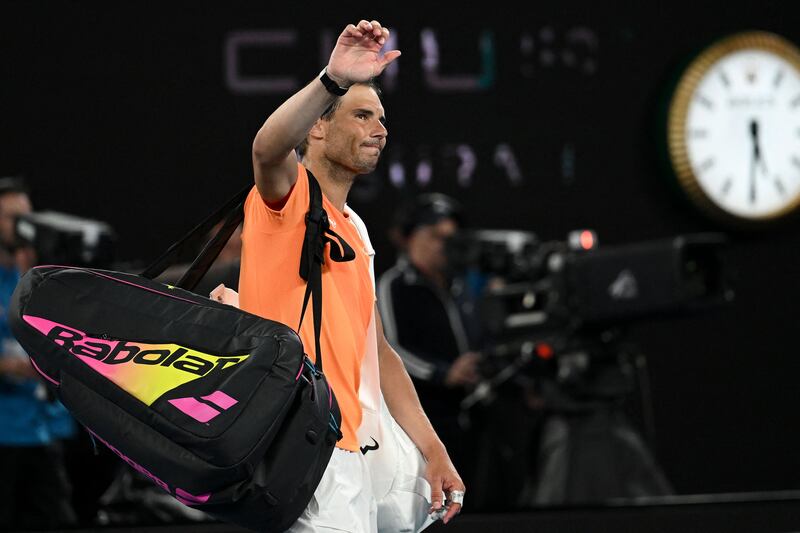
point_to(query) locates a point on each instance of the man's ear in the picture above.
(317, 131)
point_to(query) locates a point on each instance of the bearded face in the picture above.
(356, 134)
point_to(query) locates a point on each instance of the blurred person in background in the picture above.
(431, 318)
(35, 489)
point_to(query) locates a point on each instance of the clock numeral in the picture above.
(698, 133)
(779, 186)
(795, 101)
(705, 101)
(796, 161)
(778, 78)
(705, 165)
(726, 187)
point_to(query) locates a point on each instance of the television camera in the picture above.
(64, 239)
(557, 310)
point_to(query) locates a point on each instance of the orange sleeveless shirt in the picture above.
(270, 286)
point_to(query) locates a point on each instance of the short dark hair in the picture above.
(13, 184)
(327, 115)
(426, 210)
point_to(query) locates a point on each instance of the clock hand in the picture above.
(757, 146)
(753, 160)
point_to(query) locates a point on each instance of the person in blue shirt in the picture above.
(35, 491)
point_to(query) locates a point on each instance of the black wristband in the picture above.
(330, 85)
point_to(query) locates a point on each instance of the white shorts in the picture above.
(343, 500)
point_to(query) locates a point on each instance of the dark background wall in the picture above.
(143, 116)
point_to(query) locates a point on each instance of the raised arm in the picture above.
(355, 58)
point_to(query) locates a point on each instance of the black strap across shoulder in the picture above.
(318, 234)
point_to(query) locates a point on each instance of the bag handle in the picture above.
(234, 210)
(318, 234)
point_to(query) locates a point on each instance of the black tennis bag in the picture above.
(218, 407)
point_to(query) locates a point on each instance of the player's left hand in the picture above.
(443, 478)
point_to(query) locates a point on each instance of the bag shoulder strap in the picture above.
(318, 234)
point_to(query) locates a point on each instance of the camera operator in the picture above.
(35, 491)
(431, 319)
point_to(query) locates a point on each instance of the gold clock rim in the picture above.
(679, 106)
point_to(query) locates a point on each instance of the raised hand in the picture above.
(356, 56)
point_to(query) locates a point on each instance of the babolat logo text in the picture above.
(120, 352)
(145, 371)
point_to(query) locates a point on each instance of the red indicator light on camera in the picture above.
(544, 351)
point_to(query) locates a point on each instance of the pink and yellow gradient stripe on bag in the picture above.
(146, 371)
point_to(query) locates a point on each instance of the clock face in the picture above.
(734, 128)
